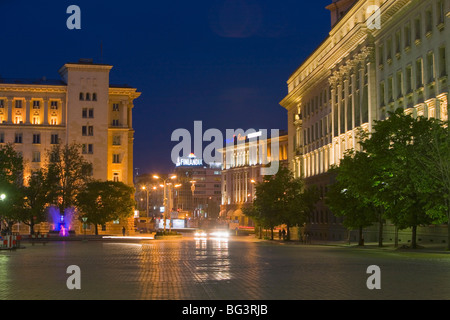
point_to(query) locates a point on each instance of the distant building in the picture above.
(200, 192)
(240, 175)
(82, 107)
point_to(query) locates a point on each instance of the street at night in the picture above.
(238, 269)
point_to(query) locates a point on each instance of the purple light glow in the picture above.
(61, 223)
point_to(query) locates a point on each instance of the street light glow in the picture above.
(156, 177)
(2, 196)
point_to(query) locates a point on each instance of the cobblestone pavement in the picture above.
(239, 269)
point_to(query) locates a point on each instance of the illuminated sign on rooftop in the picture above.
(191, 160)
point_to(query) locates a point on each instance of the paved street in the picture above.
(240, 269)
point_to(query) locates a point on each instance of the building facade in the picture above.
(379, 56)
(241, 172)
(199, 195)
(83, 108)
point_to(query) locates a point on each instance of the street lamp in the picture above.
(166, 205)
(84, 226)
(146, 199)
(2, 196)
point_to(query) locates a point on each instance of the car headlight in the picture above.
(220, 234)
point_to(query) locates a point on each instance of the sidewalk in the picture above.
(387, 246)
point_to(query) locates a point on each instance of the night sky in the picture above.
(223, 62)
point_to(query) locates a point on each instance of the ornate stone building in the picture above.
(242, 171)
(379, 56)
(82, 107)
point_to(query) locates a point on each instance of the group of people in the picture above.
(305, 237)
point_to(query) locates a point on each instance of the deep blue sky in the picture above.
(224, 62)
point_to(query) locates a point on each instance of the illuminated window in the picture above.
(116, 158)
(36, 156)
(18, 138)
(36, 120)
(54, 105)
(117, 141)
(116, 176)
(87, 148)
(53, 121)
(54, 139)
(18, 119)
(36, 138)
(87, 130)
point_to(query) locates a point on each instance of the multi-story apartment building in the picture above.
(380, 55)
(242, 172)
(82, 107)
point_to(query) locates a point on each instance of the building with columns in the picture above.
(242, 171)
(380, 55)
(82, 107)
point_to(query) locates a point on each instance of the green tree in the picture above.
(11, 182)
(358, 194)
(36, 201)
(67, 174)
(105, 201)
(283, 199)
(433, 171)
(393, 145)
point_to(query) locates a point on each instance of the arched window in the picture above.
(81, 96)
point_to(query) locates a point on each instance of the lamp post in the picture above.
(84, 226)
(2, 198)
(165, 198)
(146, 199)
(193, 198)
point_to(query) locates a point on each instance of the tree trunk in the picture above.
(361, 239)
(448, 225)
(396, 237)
(271, 233)
(413, 237)
(380, 229)
(380, 233)
(96, 229)
(288, 233)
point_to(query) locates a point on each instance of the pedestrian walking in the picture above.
(279, 234)
(284, 234)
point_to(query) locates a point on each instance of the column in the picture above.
(27, 110)
(372, 92)
(45, 111)
(353, 80)
(63, 113)
(10, 108)
(333, 124)
(124, 111)
(339, 107)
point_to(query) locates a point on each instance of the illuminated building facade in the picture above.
(372, 62)
(242, 172)
(199, 195)
(83, 108)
